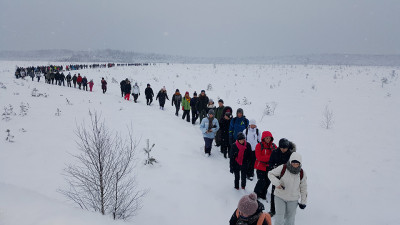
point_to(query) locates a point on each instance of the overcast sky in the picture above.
(203, 27)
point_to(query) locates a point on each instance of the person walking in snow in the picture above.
(62, 79)
(127, 90)
(79, 80)
(250, 212)
(68, 77)
(240, 159)
(209, 127)
(186, 107)
(224, 124)
(84, 83)
(263, 152)
(122, 86)
(238, 124)
(279, 157)
(161, 96)
(218, 115)
(201, 106)
(149, 94)
(103, 85)
(74, 80)
(290, 181)
(135, 92)
(211, 105)
(253, 136)
(91, 83)
(176, 99)
(38, 75)
(193, 103)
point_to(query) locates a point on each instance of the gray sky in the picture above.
(203, 27)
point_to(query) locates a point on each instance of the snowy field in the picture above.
(351, 168)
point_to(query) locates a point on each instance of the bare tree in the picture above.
(327, 121)
(102, 180)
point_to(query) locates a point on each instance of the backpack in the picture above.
(284, 170)
(247, 131)
(260, 221)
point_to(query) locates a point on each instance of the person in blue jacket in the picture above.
(209, 127)
(238, 124)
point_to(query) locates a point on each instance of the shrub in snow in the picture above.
(34, 92)
(58, 112)
(150, 159)
(9, 137)
(269, 109)
(2, 86)
(102, 179)
(8, 112)
(209, 87)
(68, 102)
(23, 109)
(327, 121)
(384, 80)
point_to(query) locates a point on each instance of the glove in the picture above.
(183, 108)
(302, 206)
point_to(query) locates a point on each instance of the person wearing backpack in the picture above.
(176, 99)
(253, 136)
(239, 160)
(278, 157)
(263, 152)
(238, 124)
(250, 212)
(291, 185)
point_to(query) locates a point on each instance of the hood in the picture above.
(295, 156)
(267, 134)
(292, 146)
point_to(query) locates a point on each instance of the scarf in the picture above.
(187, 98)
(249, 220)
(240, 156)
(177, 93)
(292, 169)
(210, 123)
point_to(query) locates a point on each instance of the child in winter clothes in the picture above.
(135, 92)
(186, 107)
(91, 85)
(263, 152)
(224, 123)
(253, 136)
(291, 184)
(250, 212)
(239, 160)
(209, 126)
(176, 99)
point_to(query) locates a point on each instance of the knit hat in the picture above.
(222, 101)
(148, 85)
(186, 93)
(195, 94)
(211, 111)
(252, 122)
(177, 90)
(239, 110)
(240, 136)
(284, 143)
(248, 204)
(210, 100)
(203, 91)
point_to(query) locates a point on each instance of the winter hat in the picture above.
(203, 91)
(211, 111)
(177, 90)
(284, 143)
(195, 94)
(248, 204)
(240, 136)
(222, 101)
(239, 110)
(252, 122)
(148, 85)
(186, 93)
(210, 100)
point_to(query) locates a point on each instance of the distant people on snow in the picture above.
(176, 99)
(103, 85)
(161, 96)
(135, 92)
(149, 94)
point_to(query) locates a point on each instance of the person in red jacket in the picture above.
(91, 83)
(79, 80)
(263, 152)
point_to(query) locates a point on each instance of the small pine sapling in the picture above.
(150, 159)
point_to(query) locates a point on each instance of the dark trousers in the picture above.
(186, 113)
(195, 115)
(122, 93)
(177, 109)
(85, 87)
(74, 84)
(38, 79)
(272, 209)
(225, 150)
(240, 171)
(149, 100)
(250, 171)
(104, 90)
(52, 80)
(208, 145)
(203, 114)
(135, 97)
(69, 84)
(262, 184)
(79, 85)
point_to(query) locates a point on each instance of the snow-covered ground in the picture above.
(351, 168)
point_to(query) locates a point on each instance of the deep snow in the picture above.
(351, 168)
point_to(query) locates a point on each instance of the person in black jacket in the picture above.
(224, 123)
(161, 96)
(239, 159)
(74, 78)
(69, 80)
(127, 89)
(202, 103)
(278, 157)
(250, 212)
(193, 103)
(176, 99)
(84, 83)
(149, 94)
(122, 86)
(62, 78)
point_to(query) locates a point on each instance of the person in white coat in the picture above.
(291, 185)
(135, 92)
(253, 136)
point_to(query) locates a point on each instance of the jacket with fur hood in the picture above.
(295, 187)
(278, 157)
(263, 152)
